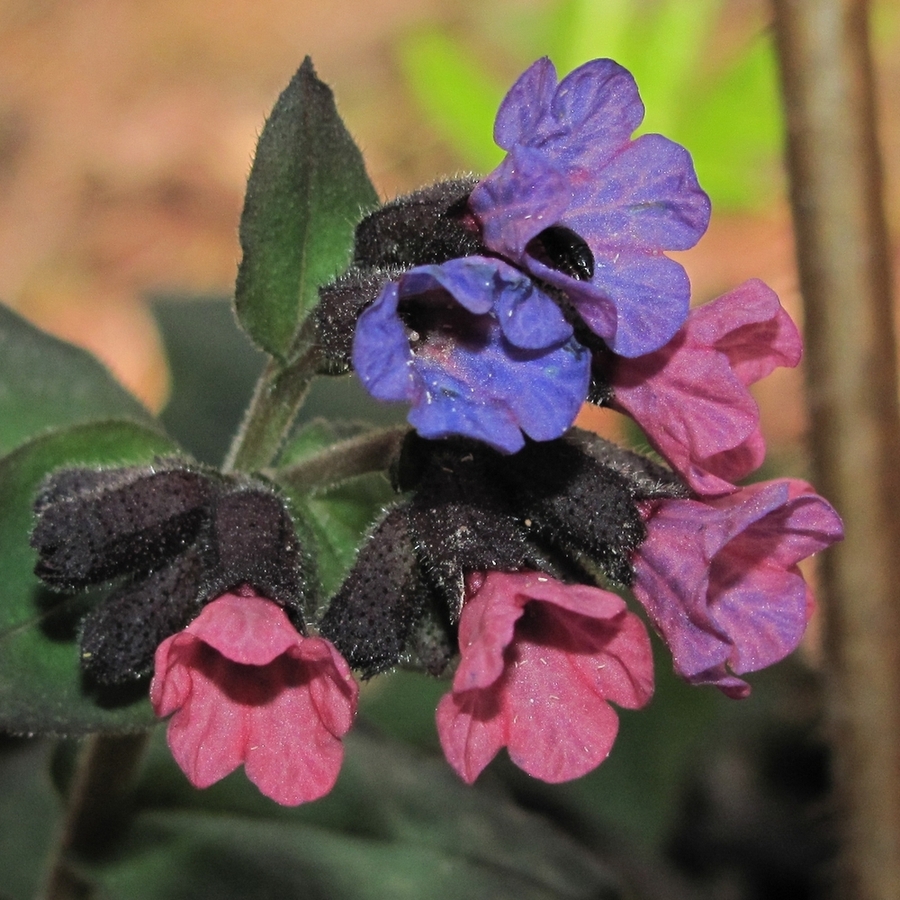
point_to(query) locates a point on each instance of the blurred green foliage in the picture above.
(723, 108)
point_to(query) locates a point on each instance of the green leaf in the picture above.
(339, 518)
(41, 688)
(307, 190)
(46, 383)
(397, 825)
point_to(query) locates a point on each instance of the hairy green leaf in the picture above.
(307, 190)
(46, 383)
(41, 686)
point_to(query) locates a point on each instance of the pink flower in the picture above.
(691, 396)
(720, 580)
(245, 687)
(540, 661)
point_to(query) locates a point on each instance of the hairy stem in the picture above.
(369, 452)
(843, 257)
(279, 394)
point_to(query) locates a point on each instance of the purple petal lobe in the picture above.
(381, 353)
(595, 110)
(572, 165)
(526, 103)
(720, 579)
(524, 195)
(635, 301)
(647, 199)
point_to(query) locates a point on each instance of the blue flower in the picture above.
(478, 349)
(564, 238)
(573, 174)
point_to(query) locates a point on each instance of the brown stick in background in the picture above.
(843, 258)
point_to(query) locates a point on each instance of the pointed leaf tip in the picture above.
(307, 189)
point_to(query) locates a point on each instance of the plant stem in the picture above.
(368, 452)
(105, 770)
(279, 394)
(843, 257)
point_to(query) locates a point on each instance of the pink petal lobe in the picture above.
(560, 654)
(246, 629)
(282, 717)
(691, 396)
(471, 731)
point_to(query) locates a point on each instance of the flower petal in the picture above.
(646, 198)
(466, 376)
(244, 629)
(291, 754)
(381, 353)
(527, 101)
(635, 301)
(540, 660)
(524, 195)
(568, 666)
(691, 396)
(582, 121)
(595, 110)
(283, 717)
(719, 579)
(528, 318)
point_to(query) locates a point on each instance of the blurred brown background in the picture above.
(127, 128)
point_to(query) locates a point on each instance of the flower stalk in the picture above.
(843, 257)
(369, 452)
(105, 770)
(279, 394)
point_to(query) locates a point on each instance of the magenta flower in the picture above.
(582, 207)
(243, 686)
(540, 662)
(720, 580)
(691, 396)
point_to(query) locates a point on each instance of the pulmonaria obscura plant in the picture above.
(521, 558)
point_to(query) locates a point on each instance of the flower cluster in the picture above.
(496, 308)
(507, 285)
(212, 573)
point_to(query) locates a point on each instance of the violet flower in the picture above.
(573, 177)
(478, 349)
(720, 581)
(540, 662)
(242, 685)
(690, 396)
